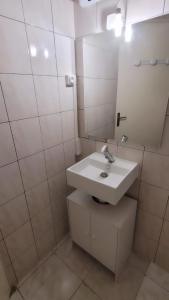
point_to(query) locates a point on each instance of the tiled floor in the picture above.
(155, 285)
(70, 273)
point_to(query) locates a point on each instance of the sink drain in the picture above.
(104, 175)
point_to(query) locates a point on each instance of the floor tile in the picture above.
(79, 261)
(159, 276)
(30, 286)
(84, 293)
(101, 281)
(16, 296)
(151, 291)
(61, 285)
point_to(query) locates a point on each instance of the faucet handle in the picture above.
(104, 148)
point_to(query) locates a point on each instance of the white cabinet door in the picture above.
(104, 241)
(140, 10)
(166, 7)
(80, 225)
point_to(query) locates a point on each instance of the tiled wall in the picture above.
(97, 65)
(37, 128)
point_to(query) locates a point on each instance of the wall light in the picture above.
(115, 22)
(128, 33)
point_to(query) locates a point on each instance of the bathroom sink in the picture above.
(108, 182)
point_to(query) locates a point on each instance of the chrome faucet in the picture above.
(107, 154)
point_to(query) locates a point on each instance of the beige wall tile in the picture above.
(167, 212)
(162, 257)
(57, 185)
(45, 245)
(69, 152)
(13, 215)
(3, 113)
(145, 247)
(24, 263)
(47, 94)
(12, 9)
(153, 199)
(156, 169)
(54, 160)
(19, 241)
(7, 150)
(164, 238)
(134, 190)
(27, 137)
(38, 198)
(131, 154)
(38, 13)
(33, 170)
(148, 225)
(12, 187)
(68, 125)
(42, 223)
(19, 96)
(15, 31)
(51, 130)
(88, 146)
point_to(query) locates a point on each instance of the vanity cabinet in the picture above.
(104, 231)
(140, 10)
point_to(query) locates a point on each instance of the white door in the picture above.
(79, 219)
(140, 10)
(104, 241)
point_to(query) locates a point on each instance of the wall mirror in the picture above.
(123, 87)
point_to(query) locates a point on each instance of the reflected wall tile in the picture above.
(33, 170)
(11, 35)
(13, 186)
(42, 51)
(19, 96)
(11, 9)
(153, 199)
(7, 149)
(88, 146)
(27, 136)
(38, 13)
(54, 160)
(47, 94)
(38, 198)
(13, 214)
(63, 10)
(156, 169)
(51, 130)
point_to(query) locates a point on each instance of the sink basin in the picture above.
(108, 182)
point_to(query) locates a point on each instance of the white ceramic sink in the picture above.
(86, 175)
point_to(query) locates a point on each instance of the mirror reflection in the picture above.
(123, 83)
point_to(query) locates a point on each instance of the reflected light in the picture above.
(46, 53)
(115, 22)
(33, 51)
(128, 33)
